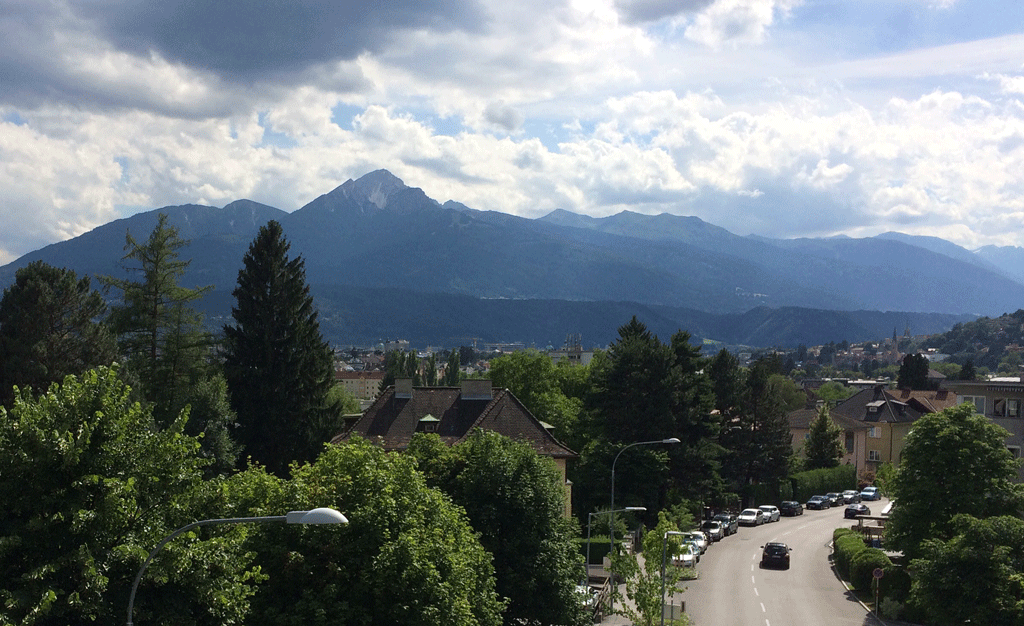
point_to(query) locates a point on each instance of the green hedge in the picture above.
(863, 566)
(841, 532)
(599, 548)
(821, 481)
(846, 549)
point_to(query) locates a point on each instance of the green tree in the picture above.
(515, 500)
(644, 583)
(833, 392)
(823, 447)
(726, 381)
(452, 374)
(977, 576)
(913, 372)
(159, 334)
(757, 438)
(407, 557)
(431, 370)
(49, 328)
(967, 371)
(89, 487)
(958, 452)
(540, 385)
(789, 393)
(278, 367)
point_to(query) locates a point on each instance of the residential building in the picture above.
(853, 437)
(361, 385)
(888, 419)
(1000, 400)
(453, 413)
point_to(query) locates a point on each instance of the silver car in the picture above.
(771, 513)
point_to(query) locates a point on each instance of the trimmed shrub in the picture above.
(864, 564)
(841, 532)
(895, 584)
(822, 481)
(846, 548)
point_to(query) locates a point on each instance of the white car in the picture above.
(771, 513)
(751, 517)
(687, 556)
(697, 538)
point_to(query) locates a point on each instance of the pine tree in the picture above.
(49, 329)
(278, 367)
(160, 336)
(452, 374)
(823, 448)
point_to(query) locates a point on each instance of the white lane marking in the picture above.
(763, 610)
(756, 593)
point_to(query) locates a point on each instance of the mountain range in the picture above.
(385, 261)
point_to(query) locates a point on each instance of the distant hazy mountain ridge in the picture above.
(378, 252)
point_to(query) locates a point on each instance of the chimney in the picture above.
(403, 388)
(476, 389)
(878, 392)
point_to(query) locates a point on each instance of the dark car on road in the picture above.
(818, 502)
(775, 554)
(854, 510)
(790, 508)
(730, 523)
(834, 498)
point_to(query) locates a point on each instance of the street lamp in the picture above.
(586, 566)
(316, 516)
(611, 530)
(664, 543)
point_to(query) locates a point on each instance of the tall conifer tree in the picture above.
(279, 368)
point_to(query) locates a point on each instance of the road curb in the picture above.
(832, 564)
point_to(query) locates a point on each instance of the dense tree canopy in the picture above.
(407, 557)
(49, 328)
(515, 500)
(913, 372)
(954, 451)
(278, 368)
(975, 577)
(89, 487)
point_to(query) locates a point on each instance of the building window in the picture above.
(1014, 450)
(977, 401)
(849, 442)
(875, 432)
(1012, 407)
(874, 455)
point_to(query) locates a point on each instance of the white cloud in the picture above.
(737, 21)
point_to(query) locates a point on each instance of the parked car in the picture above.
(730, 523)
(751, 517)
(771, 513)
(854, 510)
(697, 538)
(834, 498)
(775, 553)
(687, 557)
(790, 508)
(714, 529)
(870, 493)
(818, 502)
(851, 496)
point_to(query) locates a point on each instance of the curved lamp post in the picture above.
(316, 516)
(611, 529)
(664, 544)
(586, 566)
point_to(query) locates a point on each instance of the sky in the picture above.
(780, 118)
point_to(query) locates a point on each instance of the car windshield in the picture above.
(749, 512)
(710, 525)
(775, 548)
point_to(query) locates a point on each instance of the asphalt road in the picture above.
(733, 590)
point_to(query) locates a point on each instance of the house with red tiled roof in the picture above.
(453, 413)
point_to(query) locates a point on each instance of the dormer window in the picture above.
(428, 424)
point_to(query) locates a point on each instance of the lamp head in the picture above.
(670, 440)
(322, 515)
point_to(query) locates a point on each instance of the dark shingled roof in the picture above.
(393, 419)
(880, 405)
(802, 418)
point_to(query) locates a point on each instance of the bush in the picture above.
(821, 481)
(863, 566)
(842, 532)
(846, 548)
(599, 548)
